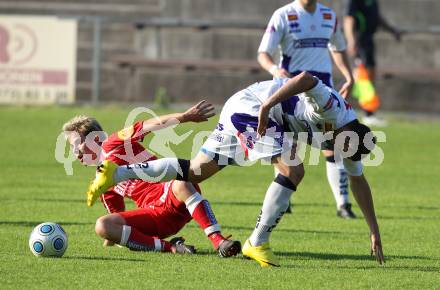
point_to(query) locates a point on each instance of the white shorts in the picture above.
(234, 139)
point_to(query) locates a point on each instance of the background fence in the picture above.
(186, 49)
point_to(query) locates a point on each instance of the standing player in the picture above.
(163, 208)
(307, 33)
(318, 109)
(361, 22)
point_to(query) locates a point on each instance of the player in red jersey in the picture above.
(163, 207)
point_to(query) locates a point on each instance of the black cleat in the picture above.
(179, 246)
(228, 248)
(345, 211)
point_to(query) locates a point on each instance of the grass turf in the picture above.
(317, 249)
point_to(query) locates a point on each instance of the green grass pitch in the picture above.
(317, 249)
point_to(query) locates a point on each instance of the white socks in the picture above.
(338, 179)
(164, 169)
(275, 204)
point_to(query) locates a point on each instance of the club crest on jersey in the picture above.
(327, 16)
(292, 17)
(126, 133)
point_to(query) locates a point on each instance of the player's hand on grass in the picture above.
(263, 120)
(376, 248)
(199, 113)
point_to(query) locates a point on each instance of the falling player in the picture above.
(316, 110)
(163, 207)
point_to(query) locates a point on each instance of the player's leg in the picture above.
(338, 180)
(289, 208)
(274, 206)
(135, 230)
(200, 168)
(165, 169)
(201, 212)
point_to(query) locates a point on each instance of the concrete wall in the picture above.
(417, 52)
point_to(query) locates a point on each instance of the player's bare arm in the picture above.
(267, 63)
(362, 193)
(200, 112)
(341, 60)
(349, 29)
(299, 84)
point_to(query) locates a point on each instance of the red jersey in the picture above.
(124, 148)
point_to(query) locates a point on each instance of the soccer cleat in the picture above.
(102, 182)
(179, 246)
(228, 248)
(345, 211)
(262, 254)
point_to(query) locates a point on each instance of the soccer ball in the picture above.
(48, 240)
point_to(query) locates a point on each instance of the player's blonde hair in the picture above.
(82, 125)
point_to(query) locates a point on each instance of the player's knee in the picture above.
(182, 190)
(103, 226)
(296, 174)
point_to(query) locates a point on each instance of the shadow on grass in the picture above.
(246, 203)
(411, 218)
(373, 266)
(34, 223)
(332, 256)
(61, 200)
(415, 207)
(97, 258)
(250, 229)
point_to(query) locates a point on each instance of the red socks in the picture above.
(201, 211)
(137, 241)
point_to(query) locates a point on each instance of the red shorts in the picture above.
(161, 218)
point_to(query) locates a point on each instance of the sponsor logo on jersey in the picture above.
(292, 17)
(327, 16)
(327, 26)
(126, 133)
(310, 42)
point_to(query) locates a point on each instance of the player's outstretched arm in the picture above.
(299, 84)
(200, 112)
(362, 193)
